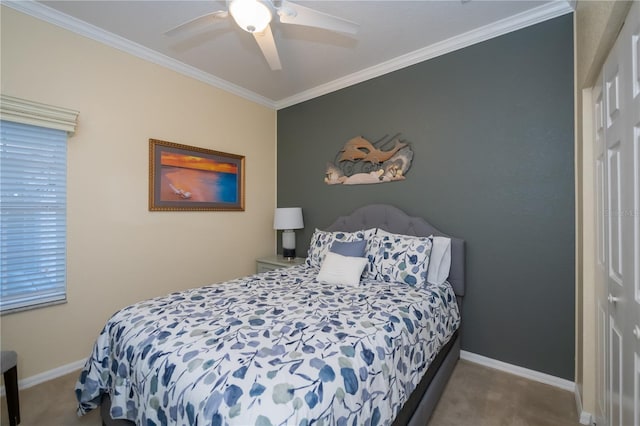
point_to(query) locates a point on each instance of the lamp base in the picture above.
(289, 254)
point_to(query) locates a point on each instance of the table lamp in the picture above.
(287, 219)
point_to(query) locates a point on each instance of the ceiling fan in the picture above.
(255, 16)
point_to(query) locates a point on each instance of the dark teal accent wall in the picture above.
(491, 127)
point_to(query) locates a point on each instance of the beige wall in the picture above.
(596, 26)
(118, 251)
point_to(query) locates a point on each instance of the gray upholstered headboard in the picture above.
(394, 220)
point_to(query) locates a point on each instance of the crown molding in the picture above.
(534, 16)
(504, 26)
(52, 16)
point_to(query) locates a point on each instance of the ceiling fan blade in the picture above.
(268, 46)
(197, 23)
(293, 13)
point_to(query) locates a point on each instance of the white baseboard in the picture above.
(585, 418)
(47, 375)
(519, 371)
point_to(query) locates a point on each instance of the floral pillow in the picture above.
(399, 259)
(321, 242)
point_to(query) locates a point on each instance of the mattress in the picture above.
(273, 348)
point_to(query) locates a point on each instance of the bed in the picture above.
(282, 347)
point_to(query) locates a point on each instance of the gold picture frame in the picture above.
(188, 178)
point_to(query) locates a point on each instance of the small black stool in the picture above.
(9, 364)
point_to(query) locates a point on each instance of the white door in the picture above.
(602, 310)
(617, 139)
(631, 361)
(615, 151)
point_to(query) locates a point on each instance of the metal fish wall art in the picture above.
(363, 162)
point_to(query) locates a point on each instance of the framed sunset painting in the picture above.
(187, 178)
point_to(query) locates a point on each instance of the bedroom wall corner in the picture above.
(586, 319)
(577, 160)
(118, 252)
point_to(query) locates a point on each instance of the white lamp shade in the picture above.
(288, 218)
(251, 15)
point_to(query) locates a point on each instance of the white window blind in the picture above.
(33, 200)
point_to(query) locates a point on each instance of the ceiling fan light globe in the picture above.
(251, 15)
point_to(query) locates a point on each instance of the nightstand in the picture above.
(269, 263)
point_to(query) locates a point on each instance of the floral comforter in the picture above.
(278, 348)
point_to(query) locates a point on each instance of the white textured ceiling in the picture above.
(392, 35)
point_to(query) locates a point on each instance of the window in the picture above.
(33, 201)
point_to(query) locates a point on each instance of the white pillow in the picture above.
(382, 233)
(440, 262)
(338, 269)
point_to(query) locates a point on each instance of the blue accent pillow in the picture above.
(321, 243)
(351, 248)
